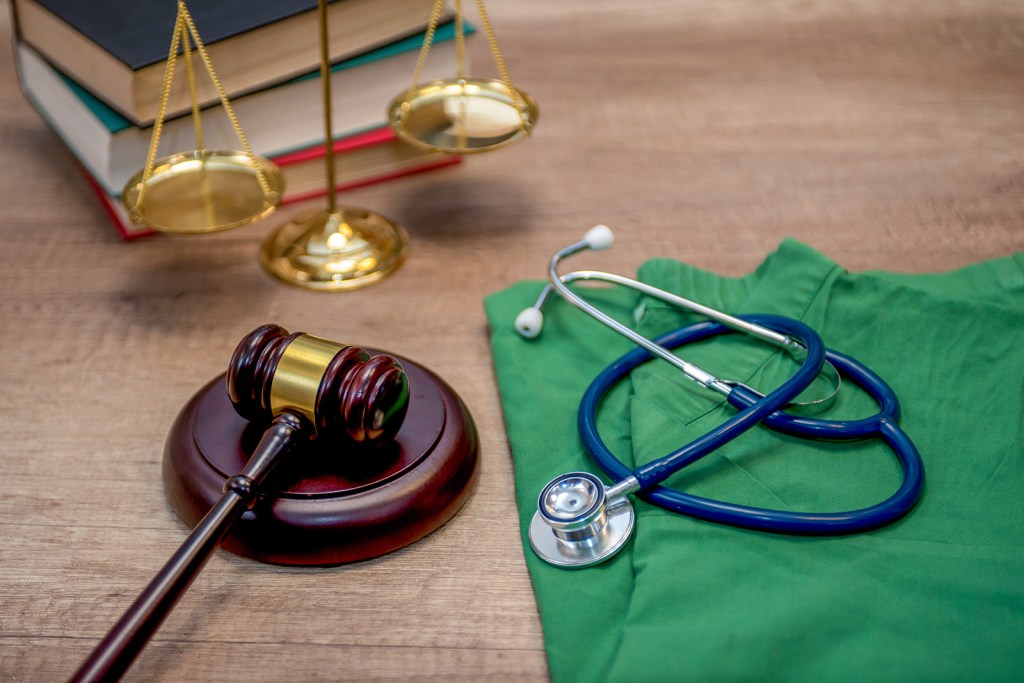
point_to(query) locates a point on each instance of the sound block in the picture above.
(328, 504)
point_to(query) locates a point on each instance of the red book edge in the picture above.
(429, 165)
(371, 137)
(110, 206)
(341, 145)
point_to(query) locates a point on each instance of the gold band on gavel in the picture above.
(298, 375)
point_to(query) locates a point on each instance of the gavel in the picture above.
(308, 388)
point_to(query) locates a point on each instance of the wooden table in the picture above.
(888, 135)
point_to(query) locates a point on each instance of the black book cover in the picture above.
(138, 32)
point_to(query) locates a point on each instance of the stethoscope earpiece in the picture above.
(599, 237)
(530, 322)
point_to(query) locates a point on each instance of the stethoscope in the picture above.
(580, 521)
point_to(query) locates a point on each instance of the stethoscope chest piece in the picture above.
(575, 525)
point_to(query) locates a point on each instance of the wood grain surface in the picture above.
(888, 134)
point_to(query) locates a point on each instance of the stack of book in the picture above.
(94, 71)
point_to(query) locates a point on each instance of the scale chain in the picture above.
(184, 27)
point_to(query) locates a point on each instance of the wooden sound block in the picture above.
(328, 504)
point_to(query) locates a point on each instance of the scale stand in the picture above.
(338, 248)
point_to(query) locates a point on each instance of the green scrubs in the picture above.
(939, 595)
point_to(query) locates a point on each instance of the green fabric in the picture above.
(938, 595)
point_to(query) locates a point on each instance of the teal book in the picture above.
(117, 48)
(276, 121)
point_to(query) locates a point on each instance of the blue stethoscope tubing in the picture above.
(769, 409)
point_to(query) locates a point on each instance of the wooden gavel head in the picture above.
(341, 390)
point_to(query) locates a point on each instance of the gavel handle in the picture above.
(118, 649)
